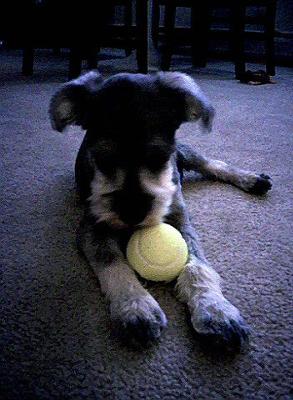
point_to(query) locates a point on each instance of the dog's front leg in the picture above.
(212, 315)
(136, 316)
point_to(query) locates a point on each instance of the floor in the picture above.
(55, 331)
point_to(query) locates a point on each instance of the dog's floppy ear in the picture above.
(70, 104)
(197, 106)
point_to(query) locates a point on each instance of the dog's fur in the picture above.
(128, 172)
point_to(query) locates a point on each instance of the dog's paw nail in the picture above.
(265, 176)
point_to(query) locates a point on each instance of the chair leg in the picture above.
(92, 57)
(170, 16)
(56, 51)
(75, 60)
(269, 37)
(128, 26)
(238, 31)
(155, 22)
(28, 60)
(142, 35)
(200, 26)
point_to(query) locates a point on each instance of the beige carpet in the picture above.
(55, 337)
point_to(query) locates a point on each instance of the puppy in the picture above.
(128, 174)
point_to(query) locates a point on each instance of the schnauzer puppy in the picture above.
(128, 174)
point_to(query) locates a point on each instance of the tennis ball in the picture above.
(157, 253)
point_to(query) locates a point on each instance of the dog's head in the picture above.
(131, 120)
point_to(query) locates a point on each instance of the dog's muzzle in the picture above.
(132, 208)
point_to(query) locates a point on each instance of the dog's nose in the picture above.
(132, 208)
(132, 219)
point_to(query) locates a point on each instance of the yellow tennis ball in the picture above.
(157, 253)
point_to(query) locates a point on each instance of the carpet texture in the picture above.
(55, 329)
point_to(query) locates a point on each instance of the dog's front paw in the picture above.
(219, 323)
(138, 321)
(258, 184)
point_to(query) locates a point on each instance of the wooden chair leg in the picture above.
(75, 60)
(127, 27)
(56, 51)
(28, 61)
(92, 57)
(238, 31)
(269, 37)
(170, 17)
(155, 22)
(142, 35)
(200, 26)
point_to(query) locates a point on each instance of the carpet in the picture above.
(55, 330)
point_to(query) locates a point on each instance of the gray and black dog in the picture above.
(128, 173)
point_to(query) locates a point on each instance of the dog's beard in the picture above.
(160, 186)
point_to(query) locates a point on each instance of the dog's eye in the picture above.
(156, 160)
(106, 163)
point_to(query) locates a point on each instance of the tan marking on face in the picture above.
(162, 188)
(99, 204)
